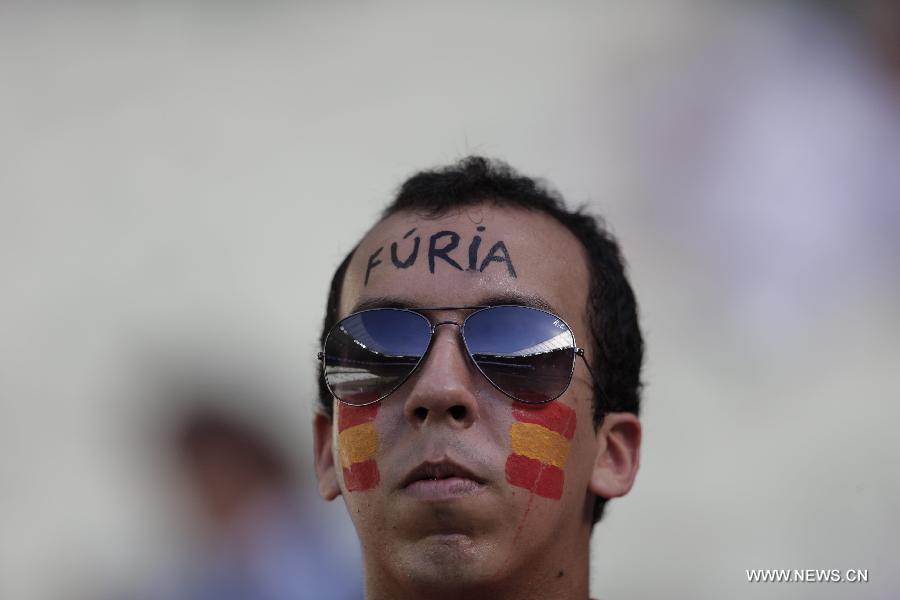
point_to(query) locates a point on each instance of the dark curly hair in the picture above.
(618, 346)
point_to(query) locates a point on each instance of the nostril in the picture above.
(458, 412)
(421, 413)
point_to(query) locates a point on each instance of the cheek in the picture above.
(358, 446)
(540, 438)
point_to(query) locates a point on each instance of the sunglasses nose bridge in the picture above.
(434, 331)
(442, 388)
(439, 323)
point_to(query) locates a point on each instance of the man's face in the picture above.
(496, 516)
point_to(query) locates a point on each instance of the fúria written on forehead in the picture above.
(444, 247)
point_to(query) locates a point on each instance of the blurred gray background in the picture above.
(178, 182)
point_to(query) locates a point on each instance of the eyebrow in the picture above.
(516, 298)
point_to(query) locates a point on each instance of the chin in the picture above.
(447, 561)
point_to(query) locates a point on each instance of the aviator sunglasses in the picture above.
(527, 353)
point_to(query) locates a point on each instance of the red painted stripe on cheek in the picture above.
(555, 416)
(361, 476)
(350, 416)
(533, 475)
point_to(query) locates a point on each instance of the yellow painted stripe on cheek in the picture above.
(539, 443)
(357, 444)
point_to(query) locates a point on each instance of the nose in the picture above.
(443, 388)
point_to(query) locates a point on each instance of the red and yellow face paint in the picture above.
(358, 445)
(540, 438)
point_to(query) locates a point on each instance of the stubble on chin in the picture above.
(450, 562)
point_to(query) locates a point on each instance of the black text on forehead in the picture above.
(443, 251)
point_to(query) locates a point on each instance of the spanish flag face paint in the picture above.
(541, 436)
(358, 445)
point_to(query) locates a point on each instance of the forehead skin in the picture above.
(549, 263)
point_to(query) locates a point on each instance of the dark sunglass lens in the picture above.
(369, 354)
(527, 353)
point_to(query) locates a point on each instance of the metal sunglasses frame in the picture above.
(577, 350)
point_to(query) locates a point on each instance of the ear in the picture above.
(618, 455)
(324, 458)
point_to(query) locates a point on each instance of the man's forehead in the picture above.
(467, 221)
(520, 299)
(471, 256)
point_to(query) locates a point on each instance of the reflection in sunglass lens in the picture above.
(527, 353)
(369, 354)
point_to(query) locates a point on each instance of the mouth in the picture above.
(441, 481)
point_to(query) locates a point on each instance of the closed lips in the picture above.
(439, 470)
